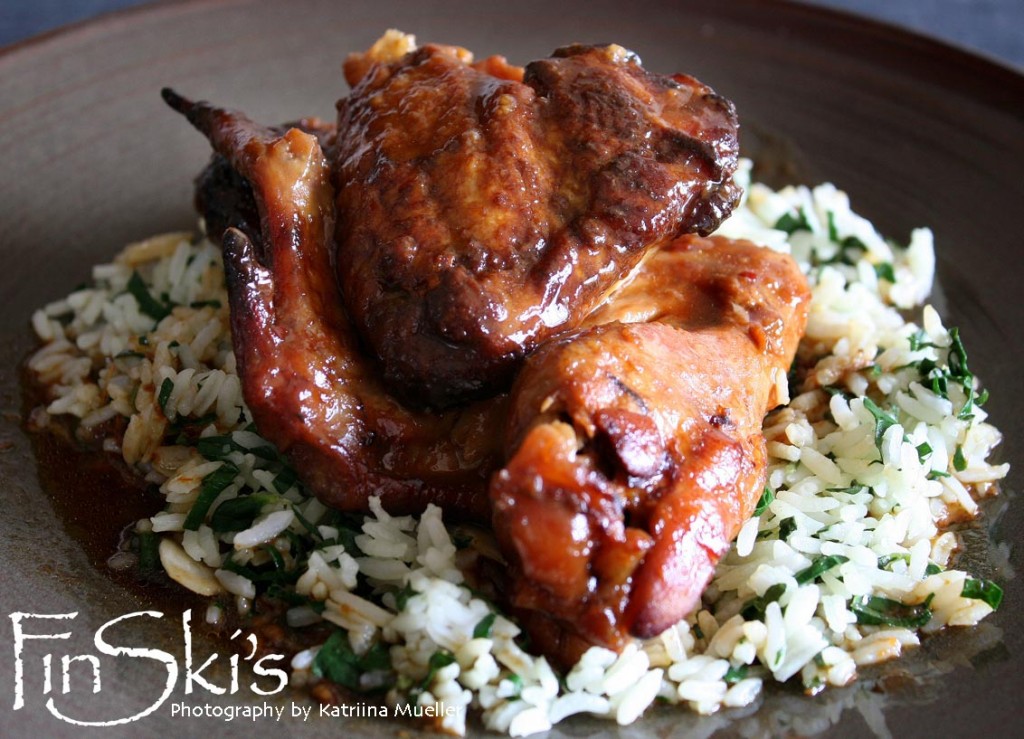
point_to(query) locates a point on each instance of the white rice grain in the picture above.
(264, 529)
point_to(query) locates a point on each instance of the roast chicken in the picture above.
(620, 463)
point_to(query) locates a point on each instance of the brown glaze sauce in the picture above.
(98, 502)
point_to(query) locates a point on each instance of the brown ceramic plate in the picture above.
(917, 132)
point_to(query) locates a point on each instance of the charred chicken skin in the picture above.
(484, 208)
(631, 450)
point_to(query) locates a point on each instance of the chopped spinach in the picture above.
(263, 574)
(439, 659)
(875, 610)
(918, 340)
(337, 662)
(884, 271)
(483, 629)
(833, 232)
(820, 566)
(212, 486)
(887, 559)
(883, 421)
(402, 596)
(238, 513)
(149, 305)
(791, 223)
(166, 388)
(959, 461)
(735, 674)
(764, 501)
(755, 608)
(984, 590)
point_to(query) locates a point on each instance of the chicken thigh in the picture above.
(635, 447)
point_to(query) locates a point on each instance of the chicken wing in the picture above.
(635, 446)
(481, 213)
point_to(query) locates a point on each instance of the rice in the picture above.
(843, 565)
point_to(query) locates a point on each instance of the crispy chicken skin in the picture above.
(481, 214)
(635, 446)
(312, 392)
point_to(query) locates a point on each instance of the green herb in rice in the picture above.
(887, 410)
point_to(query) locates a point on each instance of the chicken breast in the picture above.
(483, 209)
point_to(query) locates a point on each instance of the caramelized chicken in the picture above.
(311, 390)
(225, 198)
(480, 216)
(484, 208)
(635, 444)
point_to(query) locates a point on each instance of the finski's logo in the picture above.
(32, 627)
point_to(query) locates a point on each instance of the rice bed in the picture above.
(845, 564)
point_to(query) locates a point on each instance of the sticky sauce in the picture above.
(97, 503)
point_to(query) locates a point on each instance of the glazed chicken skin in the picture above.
(311, 390)
(635, 447)
(483, 208)
(629, 451)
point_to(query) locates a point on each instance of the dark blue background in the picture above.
(993, 27)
